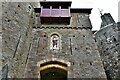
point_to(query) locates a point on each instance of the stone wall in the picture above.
(78, 20)
(23, 47)
(107, 42)
(17, 21)
(106, 20)
(77, 47)
(118, 24)
(0, 39)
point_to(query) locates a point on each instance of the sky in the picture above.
(108, 6)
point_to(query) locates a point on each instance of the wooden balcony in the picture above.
(55, 13)
(55, 16)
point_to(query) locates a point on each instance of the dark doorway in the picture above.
(54, 72)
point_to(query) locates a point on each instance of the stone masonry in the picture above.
(26, 44)
(17, 21)
(107, 40)
(0, 40)
(78, 48)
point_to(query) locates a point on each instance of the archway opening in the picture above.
(53, 71)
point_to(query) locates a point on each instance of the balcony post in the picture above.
(50, 10)
(69, 11)
(59, 11)
(41, 10)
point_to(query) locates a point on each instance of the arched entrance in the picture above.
(53, 70)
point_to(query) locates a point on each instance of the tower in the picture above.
(107, 40)
(62, 44)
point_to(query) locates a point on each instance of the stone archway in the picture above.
(53, 70)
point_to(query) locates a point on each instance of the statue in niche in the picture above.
(54, 42)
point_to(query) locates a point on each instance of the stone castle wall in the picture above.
(77, 47)
(0, 40)
(17, 21)
(107, 40)
(23, 47)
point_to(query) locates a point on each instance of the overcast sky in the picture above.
(108, 6)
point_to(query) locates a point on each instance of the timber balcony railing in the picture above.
(54, 12)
